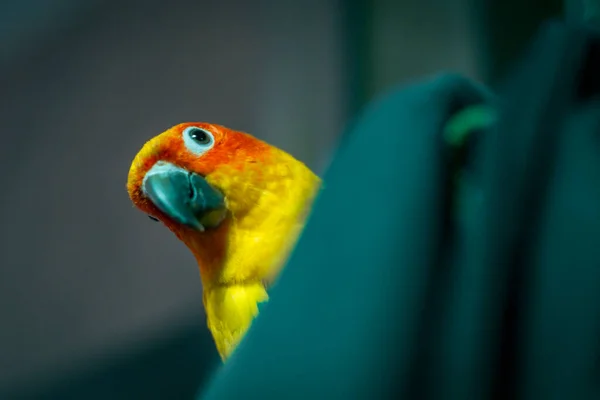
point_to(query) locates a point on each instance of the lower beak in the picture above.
(185, 197)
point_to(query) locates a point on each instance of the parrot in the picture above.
(238, 203)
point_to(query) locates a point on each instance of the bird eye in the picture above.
(197, 140)
(200, 136)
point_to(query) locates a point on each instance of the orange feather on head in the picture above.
(231, 148)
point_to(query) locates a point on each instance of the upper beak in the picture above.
(184, 196)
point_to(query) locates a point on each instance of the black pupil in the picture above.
(199, 136)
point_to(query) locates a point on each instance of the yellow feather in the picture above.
(230, 311)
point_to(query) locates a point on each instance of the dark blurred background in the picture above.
(96, 300)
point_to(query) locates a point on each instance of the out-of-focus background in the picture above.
(97, 301)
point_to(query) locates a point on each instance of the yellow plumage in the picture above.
(230, 311)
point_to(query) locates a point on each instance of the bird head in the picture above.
(234, 200)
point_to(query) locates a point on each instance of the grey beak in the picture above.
(184, 196)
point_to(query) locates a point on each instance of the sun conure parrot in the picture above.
(238, 203)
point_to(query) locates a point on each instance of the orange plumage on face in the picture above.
(231, 148)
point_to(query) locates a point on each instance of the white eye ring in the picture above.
(198, 140)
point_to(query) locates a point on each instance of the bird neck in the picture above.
(253, 244)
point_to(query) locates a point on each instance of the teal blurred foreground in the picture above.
(411, 283)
